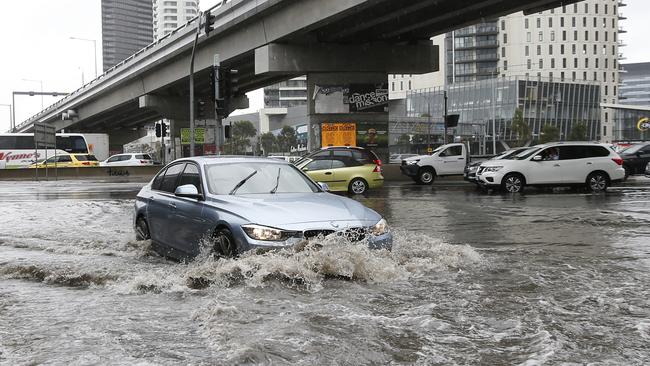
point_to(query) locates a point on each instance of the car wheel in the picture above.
(358, 186)
(513, 183)
(223, 244)
(141, 229)
(597, 182)
(426, 176)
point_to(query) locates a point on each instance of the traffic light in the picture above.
(225, 86)
(158, 130)
(164, 129)
(201, 109)
(226, 131)
(209, 23)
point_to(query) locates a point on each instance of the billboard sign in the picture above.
(372, 135)
(199, 136)
(339, 134)
(44, 135)
(367, 98)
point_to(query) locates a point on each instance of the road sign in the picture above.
(44, 135)
(199, 136)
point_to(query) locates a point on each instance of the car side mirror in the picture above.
(189, 191)
(324, 186)
(537, 158)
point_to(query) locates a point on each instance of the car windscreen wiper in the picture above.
(241, 183)
(277, 182)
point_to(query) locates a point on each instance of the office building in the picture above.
(126, 29)
(635, 84)
(171, 14)
(290, 93)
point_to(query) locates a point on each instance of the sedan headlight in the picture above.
(380, 228)
(266, 233)
(492, 168)
(412, 162)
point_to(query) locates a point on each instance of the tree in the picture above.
(240, 134)
(578, 132)
(549, 133)
(269, 142)
(520, 128)
(287, 138)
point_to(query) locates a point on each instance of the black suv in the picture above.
(635, 158)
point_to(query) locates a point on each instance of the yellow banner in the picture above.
(338, 134)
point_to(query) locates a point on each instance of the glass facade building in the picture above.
(472, 53)
(290, 93)
(127, 27)
(484, 106)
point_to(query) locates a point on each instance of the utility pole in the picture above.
(196, 40)
(445, 129)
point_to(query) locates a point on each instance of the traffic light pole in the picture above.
(446, 117)
(196, 40)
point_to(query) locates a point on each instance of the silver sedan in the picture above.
(239, 204)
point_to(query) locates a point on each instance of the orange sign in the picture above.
(339, 134)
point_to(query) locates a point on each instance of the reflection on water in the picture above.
(556, 277)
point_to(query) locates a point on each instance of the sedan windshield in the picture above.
(257, 178)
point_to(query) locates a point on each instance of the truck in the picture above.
(449, 159)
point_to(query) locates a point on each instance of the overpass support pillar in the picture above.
(348, 108)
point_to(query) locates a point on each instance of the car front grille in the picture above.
(351, 234)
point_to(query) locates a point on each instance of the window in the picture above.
(596, 151)
(505, 65)
(586, 35)
(157, 181)
(552, 63)
(528, 37)
(573, 49)
(171, 177)
(526, 23)
(575, 35)
(539, 22)
(584, 49)
(527, 51)
(505, 38)
(564, 35)
(575, 63)
(564, 63)
(503, 52)
(562, 22)
(573, 22)
(541, 63)
(143, 157)
(561, 49)
(114, 159)
(550, 49)
(552, 36)
(550, 22)
(503, 25)
(452, 151)
(539, 50)
(64, 159)
(392, 85)
(597, 62)
(605, 127)
(319, 165)
(584, 75)
(528, 64)
(584, 22)
(596, 5)
(86, 157)
(191, 176)
(586, 64)
(541, 36)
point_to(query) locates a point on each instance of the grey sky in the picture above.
(34, 36)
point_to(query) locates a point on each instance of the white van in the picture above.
(447, 159)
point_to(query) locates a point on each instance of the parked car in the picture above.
(635, 158)
(471, 168)
(68, 161)
(647, 170)
(135, 159)
(558, 164)
(290, 159)
(397, 158)
(352, 169)
(447, 159)
(241, 204)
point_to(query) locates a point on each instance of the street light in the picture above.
(10, 114)
(95, 48)
(40, 82)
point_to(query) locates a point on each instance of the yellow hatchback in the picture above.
(352, 169)
(68, 161)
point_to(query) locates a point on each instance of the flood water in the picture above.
(546, 277)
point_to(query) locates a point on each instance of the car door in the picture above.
(452, 160)
(112, 160)
(62, 161)
(546, 171)
(574, 165)
(159, 209)
(188, 226)
(320, 171)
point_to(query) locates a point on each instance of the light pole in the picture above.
(10, 115)
(40, 82)
(94, 47)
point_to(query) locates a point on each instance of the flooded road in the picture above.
(545, 277)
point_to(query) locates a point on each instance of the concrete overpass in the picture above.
(269, 41)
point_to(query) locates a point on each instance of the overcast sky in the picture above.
(35, 44)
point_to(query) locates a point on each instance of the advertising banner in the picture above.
(339, 134)
(372, 135)
(367, 98)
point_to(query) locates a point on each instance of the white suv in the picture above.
(555, 164)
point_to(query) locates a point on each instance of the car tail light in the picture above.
(618, 161)
(85, 163)
(378, 167)
(143, 162)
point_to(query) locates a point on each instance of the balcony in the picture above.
(480, 44)
(621, 4)
(621, 30)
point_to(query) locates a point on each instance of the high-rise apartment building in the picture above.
(170, 14)
(126, 29)
(574, 43)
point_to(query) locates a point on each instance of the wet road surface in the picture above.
(552, 277)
